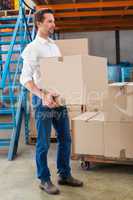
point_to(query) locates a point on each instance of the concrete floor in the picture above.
(103, 182)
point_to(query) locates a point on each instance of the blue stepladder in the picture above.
(14, 106)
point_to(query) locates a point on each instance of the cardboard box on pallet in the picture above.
(118, 137)
(129, 94)
(74, 108)
(73, 46)
(87, 134)
(75, 77)
(117, 106)
(73, 111)
(93, 135)
(118, 124)
(116, 102)
(95, 101)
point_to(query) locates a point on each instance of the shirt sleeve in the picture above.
(30, 62)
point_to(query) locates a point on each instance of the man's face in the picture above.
(48, 25)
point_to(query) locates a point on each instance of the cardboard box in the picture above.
(118, 140)
(74, 108)
(115, 105)
(75, 77)
(95, 102)
(129, 94)
(88, 134)
(73, 46)
(93, 135)
(73, 111)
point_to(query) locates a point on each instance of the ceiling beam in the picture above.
(105, 4)
(95, 24)
(94, 29)
(96, 21)
(94, 13)
(77, 26)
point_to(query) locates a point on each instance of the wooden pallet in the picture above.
(102, 159)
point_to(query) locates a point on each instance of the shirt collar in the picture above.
(44, 41)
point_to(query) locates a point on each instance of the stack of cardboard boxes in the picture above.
(76, 76)
(68, 48)
(109, 133)
(106, 129)
(118, 131)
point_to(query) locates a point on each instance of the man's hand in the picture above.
(49, 99)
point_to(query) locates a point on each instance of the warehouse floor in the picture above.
(103, 182)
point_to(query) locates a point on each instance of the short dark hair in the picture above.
(39, 15)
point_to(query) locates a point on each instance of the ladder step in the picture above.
(7, 111)
(12, 18)
(16, 87)
(5, 26)
(7, 125)
(8, 18)
(13, 73)
(6, 34)
(9, 42)
(4, 139)
(16, 84)
(11, 62)
(4, 142)
(7, 97)
(13, 52)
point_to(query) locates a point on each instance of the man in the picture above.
(47, 110)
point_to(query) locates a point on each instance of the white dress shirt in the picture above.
(37, 49)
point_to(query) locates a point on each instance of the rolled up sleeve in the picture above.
(30, 62)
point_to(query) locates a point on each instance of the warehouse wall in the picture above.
(127, 45)
(103, 43)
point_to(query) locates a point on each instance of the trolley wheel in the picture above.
(85, 165)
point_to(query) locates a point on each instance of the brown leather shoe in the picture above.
(49, 187)
(70, 181)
